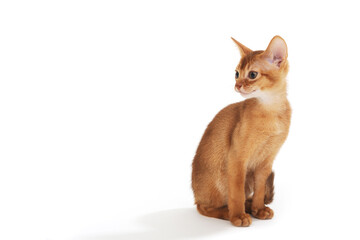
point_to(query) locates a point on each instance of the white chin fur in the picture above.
(250, 95)
(264, 97)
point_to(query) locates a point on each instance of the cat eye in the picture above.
(252, 74)
(236, 74)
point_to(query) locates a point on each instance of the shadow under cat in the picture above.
(170, 224)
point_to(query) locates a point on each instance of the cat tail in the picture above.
(269, 189)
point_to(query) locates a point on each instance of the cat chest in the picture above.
(269, 127)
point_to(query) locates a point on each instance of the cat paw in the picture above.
(243, 220)
(265, 213)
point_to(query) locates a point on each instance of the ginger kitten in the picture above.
(232, 169)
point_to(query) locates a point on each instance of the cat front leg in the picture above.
(258, 208)
(261, 175)
(237, 168)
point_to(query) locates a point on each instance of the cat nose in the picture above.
(238, 86)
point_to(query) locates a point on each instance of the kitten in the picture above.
(232, 169)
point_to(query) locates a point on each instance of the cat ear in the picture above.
(276, 52)
(243, 50)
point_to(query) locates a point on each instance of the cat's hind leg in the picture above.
(220, 212)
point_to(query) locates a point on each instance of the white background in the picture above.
(103, 104)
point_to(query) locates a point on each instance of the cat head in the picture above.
(261, 74)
